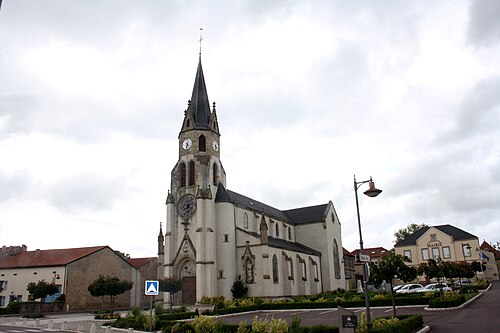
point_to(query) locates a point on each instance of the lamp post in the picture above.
(371, 192)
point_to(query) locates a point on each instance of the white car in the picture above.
(434, 287)
(409, 288)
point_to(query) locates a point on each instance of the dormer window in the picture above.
(202, 143)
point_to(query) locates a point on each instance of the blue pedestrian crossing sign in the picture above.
(151, 288)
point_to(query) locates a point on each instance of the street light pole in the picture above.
(371, 192)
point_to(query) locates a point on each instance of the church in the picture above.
(215, 236)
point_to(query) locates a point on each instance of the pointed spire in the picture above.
(199, 99)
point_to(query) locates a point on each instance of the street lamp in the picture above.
(371, 192)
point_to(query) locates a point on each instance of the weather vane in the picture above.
(201, 38)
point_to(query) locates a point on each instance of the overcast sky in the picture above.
(308, 93)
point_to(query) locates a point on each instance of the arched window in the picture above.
(192, 173)
(277, 230)
(182, 179)
(336, 260)
(202, 143)
(275, 269)
(215, 176)
(245, 221)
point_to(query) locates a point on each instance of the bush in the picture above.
(448, 302)
(399, 324)
(13, 308)
(239, 289)
(319, 329)
(34, 315)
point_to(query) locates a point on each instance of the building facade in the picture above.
(444, 242)
(214, 236)
(72, 271)
(491, 258)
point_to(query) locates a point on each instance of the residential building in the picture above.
(444, 242)
(215, 236)
(72, 271)
(491, 258)
(350, 272)
(375, 253)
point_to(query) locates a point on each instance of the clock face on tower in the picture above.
(186, 206)
(215, 146)
(186, 144)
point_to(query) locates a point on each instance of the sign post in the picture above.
(151, 289)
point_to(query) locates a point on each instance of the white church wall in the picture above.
(226, 243)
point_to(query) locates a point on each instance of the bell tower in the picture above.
(191, 213)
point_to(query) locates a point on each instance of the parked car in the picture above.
(399, 286)
(434, 287)
(409, 288)
(459, 283)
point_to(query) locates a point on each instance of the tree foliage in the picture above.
(405, 232)
(109, 286)
(239, 289)
(392, 266)
(172, 286)
(42, 289)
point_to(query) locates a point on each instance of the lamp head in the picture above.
(372, 191)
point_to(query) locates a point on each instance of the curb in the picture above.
(424, 329)
(455, 307)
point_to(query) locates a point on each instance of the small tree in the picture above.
(109, 286)
(172, 286)
(239, 289)
(405, 232)
(42, 289)
(392, 266)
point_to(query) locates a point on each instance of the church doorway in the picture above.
(189, 290)
(187, 273)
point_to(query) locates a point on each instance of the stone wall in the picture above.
(81, 273)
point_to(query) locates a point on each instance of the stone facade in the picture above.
(215, 236)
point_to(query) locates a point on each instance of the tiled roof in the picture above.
(456, 233)
(44, 258)
(487, 247)
(373, 252)
(296, 216)
(139, 262)
(347, 253)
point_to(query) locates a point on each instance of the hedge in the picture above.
(406, 324)
(447, 303)
(233, 328)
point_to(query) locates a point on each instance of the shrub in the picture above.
(319, 329)
(239, 289)
(447, 302)
(203, 324)
(13, 308)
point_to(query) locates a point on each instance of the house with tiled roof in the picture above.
(375, 253)
(491, 258)
(213, 235)
(349, 269)
(445, 242)
(72, 271)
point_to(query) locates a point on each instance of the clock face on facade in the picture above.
(186, 206)
(186, 144)
(215, 146)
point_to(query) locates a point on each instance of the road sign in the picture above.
(349, 321)
(364, 258)
(151, 288)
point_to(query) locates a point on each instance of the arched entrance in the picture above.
(187, 273)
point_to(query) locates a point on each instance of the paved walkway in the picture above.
(482, 315)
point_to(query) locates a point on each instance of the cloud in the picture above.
(484, 23)
(85, 192)
(14, 185)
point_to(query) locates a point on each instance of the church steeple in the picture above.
(199, 100)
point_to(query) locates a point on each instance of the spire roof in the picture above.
(199, 100)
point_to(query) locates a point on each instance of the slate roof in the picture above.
(306, 215)
(199, 100)
(296, 216)
(456, 233)
(280, 243)
(47, 258)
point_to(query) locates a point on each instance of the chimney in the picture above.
(37, 252)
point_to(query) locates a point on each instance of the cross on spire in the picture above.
(201, 38)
